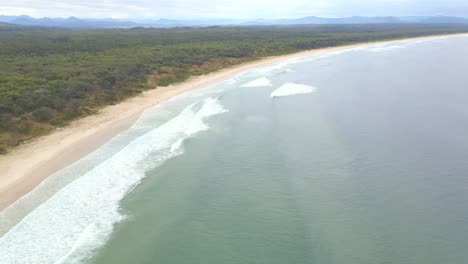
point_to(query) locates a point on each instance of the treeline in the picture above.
(51, 76)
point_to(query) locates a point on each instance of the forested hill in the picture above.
(74, 22)
(51, 76)
(5, 25)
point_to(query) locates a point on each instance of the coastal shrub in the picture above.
(166, 81)
(6, 122)
(24, 125)
(58, 122)
(72, 110)
(43, 114)
(55, 75)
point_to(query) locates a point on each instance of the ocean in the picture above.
(351, 156)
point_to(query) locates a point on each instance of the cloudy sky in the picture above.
(248, 9)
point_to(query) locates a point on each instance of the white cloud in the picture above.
(231, 8)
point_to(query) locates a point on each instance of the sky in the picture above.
(240, 9)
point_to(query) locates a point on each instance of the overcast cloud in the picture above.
(187, 9)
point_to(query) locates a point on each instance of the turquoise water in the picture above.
(368, 167)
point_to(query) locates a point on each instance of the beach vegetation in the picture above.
(50, 76)
(43, 114)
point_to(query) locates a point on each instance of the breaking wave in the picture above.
(384, 48)
(78, 219)
(292, 89)
(260, 82)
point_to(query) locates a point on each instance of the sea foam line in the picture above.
(78, 219)
(260, 82)
(384, 48)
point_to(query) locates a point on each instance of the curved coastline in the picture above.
(25, 167)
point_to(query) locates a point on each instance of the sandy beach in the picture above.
(26, 166)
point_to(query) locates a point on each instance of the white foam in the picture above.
(292, 89)
(232, 80)
(176, 148)
(78, 219)
(386, 48)
(322, 55)
(270, 70)
(260, 82)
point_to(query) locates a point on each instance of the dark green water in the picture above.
(371, 168)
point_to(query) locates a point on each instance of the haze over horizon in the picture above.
(228, 9)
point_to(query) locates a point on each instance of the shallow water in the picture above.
(369, 166)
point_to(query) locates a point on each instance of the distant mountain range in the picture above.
(73, 22)
(365, 20)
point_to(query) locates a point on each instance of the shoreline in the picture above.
(26, 166)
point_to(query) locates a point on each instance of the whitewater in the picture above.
(83, 213)
(309, 144)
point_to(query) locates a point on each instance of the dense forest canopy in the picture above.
(51, 76)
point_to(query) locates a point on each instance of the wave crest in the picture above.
(260, 82)
(292, 89)
(78, 219)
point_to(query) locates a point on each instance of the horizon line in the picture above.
(214, 18)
